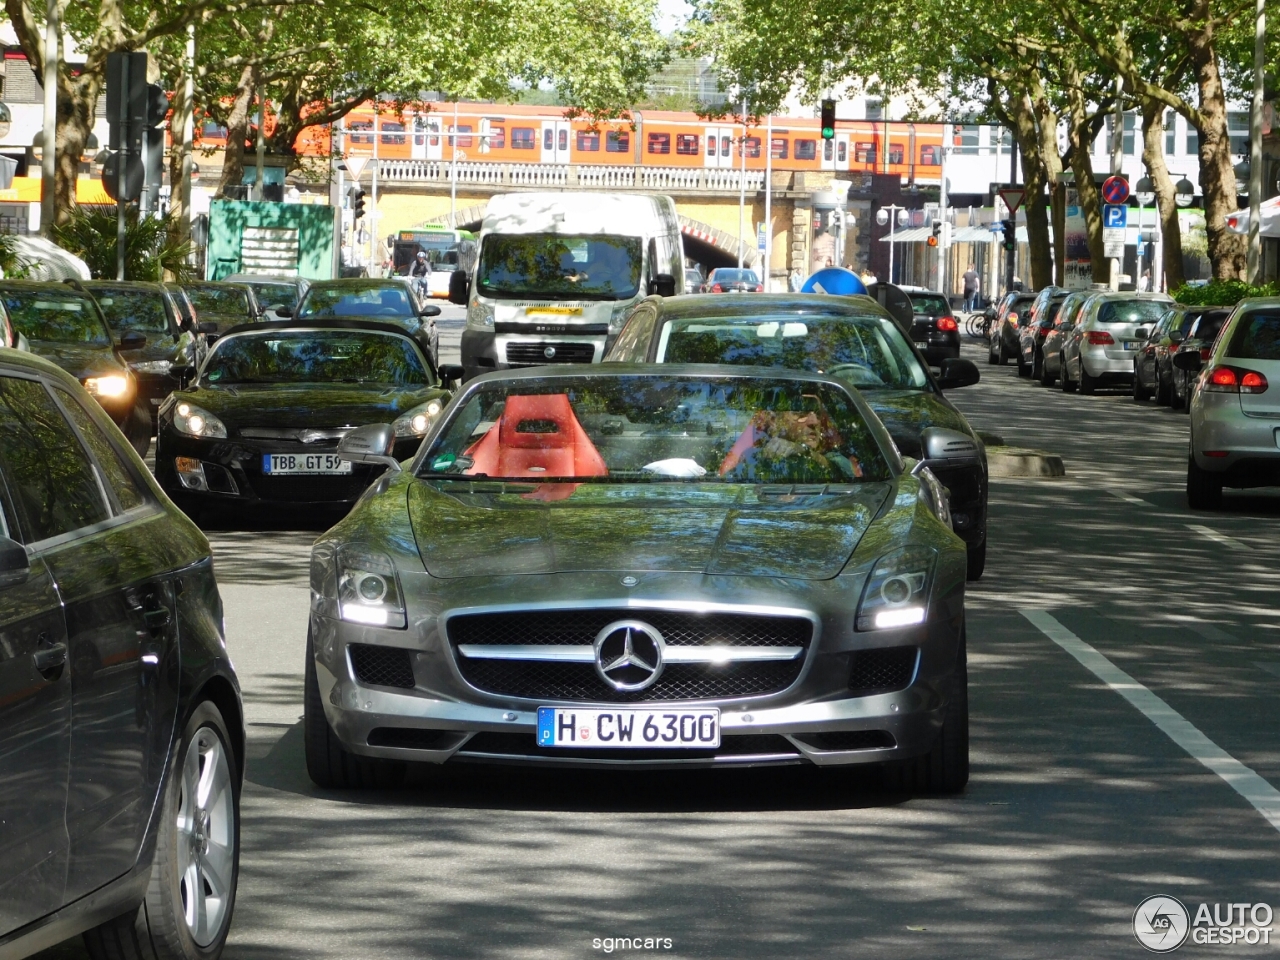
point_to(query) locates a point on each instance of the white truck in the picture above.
(558, 273)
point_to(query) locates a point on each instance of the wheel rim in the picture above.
(206, 837)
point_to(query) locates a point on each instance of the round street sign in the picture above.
(1115, 189)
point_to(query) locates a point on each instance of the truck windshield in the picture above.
(550, 265)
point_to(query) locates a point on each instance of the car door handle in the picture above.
(50, 658)
(157, 618)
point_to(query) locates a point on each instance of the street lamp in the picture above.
(1183, 192)
(886, 215)
(1144, 192)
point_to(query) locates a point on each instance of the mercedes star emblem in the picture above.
(549, 352)
(629, 655)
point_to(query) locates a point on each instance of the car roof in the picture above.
(731, 305)
(264, 278)
(360, 282)
(327, 323)
(36, 285)
(147, 285)
(691, 371)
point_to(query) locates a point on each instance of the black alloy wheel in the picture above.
(945, 768)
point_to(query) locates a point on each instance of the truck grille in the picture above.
(535, 354)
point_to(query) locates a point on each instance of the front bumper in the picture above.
(484, 351)
(818, 719)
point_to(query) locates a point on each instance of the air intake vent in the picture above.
(882, 671)
(850, 740)
(381, 666)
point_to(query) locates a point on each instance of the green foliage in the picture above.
(14, 267)
(1223, 293)
(90, 233)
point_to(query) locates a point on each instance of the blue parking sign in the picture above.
(1115, 215)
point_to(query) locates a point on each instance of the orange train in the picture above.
(522, 133)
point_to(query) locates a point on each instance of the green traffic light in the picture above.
(828, 133)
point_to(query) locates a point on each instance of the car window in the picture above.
(56, 317)
(733, 275)
(1256, 336)
(140, 310)
(120, 482)
(308, 356)
(276, 294)
(869, 352)
(55, 487)
(1129, 311)
(391, 300)
(929, 305)
(633, 341)
(219, 300)
(595, 267)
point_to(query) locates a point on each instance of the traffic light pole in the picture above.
(1011, 256)
(122, 165)
(49, 136)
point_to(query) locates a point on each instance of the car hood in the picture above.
(160, 346)
(308, 405)
(908, 413)
(501, 529)
(79, 359)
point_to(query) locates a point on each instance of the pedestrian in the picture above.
(1146, 281)
(972, 284)
(793, 281)
(868, 277)
(830, 263)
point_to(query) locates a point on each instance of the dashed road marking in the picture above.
(1243, 780)
(1217, 537)
(1272, 668)
(1129, 498)
(1209, 631)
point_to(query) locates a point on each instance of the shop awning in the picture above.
(1238, 222)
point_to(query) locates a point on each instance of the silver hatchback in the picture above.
(1235, 416)
(1101, 348)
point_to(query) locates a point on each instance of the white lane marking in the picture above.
(1273, 668)
(1216, 536)
(1209, 631)
(1262, 795)
(1128, 498)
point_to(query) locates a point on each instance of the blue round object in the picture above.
(836, 281)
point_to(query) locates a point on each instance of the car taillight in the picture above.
(715, 288)
(1234, 380)
(759, 288)
(1099, 338)
(947, 324)
(1204, 354)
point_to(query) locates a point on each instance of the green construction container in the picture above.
(291, 239)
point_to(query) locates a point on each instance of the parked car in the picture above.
(1200, 339)
(273, 291)
(693, 280)
(934, 329)
(732, 280)
(260, 425)
(1100, 348)
(850, 338)
(649, 553)
(1013, 313)
(1044, 311)
(1153, 370)
(64, 324)
(1065, 321)
(122, 738)
(389, 300)
(172, 342)
(1233, 411)
(225, 305)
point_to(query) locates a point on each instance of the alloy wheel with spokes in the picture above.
(206, 836)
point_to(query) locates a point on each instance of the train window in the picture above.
(929, 156)
(419, 127)
(617, 141)
(461, 141)
(753, 147)
(392, 134)
(659, 143)
(896, 153)
(687, 144)
(522, 138)
(806, 149)
(724, 146)
(864, 152)
(563, 140)
(497, 138)
(548, 138)
(589, 141)
(778, 147)
(826, 149)
(842, 151)
(355, 128)
(712, 146)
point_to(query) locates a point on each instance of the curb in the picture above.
(1016, 462)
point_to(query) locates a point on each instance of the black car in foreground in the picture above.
(934, 329)
(65, 325)
(852, 339)
(1013, 313)
(260, 424)
(173, 343)
(391, 300)
(121, 726)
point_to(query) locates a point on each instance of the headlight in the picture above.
(897, 591)
(109, 387)
(619, 320)
(152, 366)
(194, 422)
(480, 316)
(934, 495)
(416, 422)
(368, 589)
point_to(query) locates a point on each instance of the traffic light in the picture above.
(135, 112)
(828, 119)
(356, 195)
(1010, 234)
(936, 236)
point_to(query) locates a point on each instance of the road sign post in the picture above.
(1115, 191)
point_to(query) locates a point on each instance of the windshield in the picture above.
(869, 352)
(549, 265)
(645, 428)
(1131, 311)
(308, 356)
(725, 275)
(929, 305)
(275, 294)
(54, 317)
(391, 300)
(228, 301)
(140, 310)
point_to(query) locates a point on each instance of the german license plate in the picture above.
(1131, 344)
(294, 463)
(643, 728)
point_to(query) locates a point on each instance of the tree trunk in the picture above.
(237, 131)
(1081, 133)
(1227, 250)
(1033, 177)
(1047, 130)
(1162, 186)
(179, 223)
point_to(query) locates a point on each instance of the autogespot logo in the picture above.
(1160, 923)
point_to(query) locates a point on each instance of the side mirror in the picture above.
(15, 567)
(458, 284)
(371, 443)
(284, 312)
(133, 341)
(207, 327)
(182, 371)
(1176, 337)
(430, 310)
(939, 443)
(958, 372)
(452, 373)
(1142, 333)
(663, 284)
(1188, 360)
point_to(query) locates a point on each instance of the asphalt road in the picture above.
(1080, 805)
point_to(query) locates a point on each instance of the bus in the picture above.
(447, 250)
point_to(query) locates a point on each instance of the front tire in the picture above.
(186, 913)
(945, 768)
(1204, 489)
